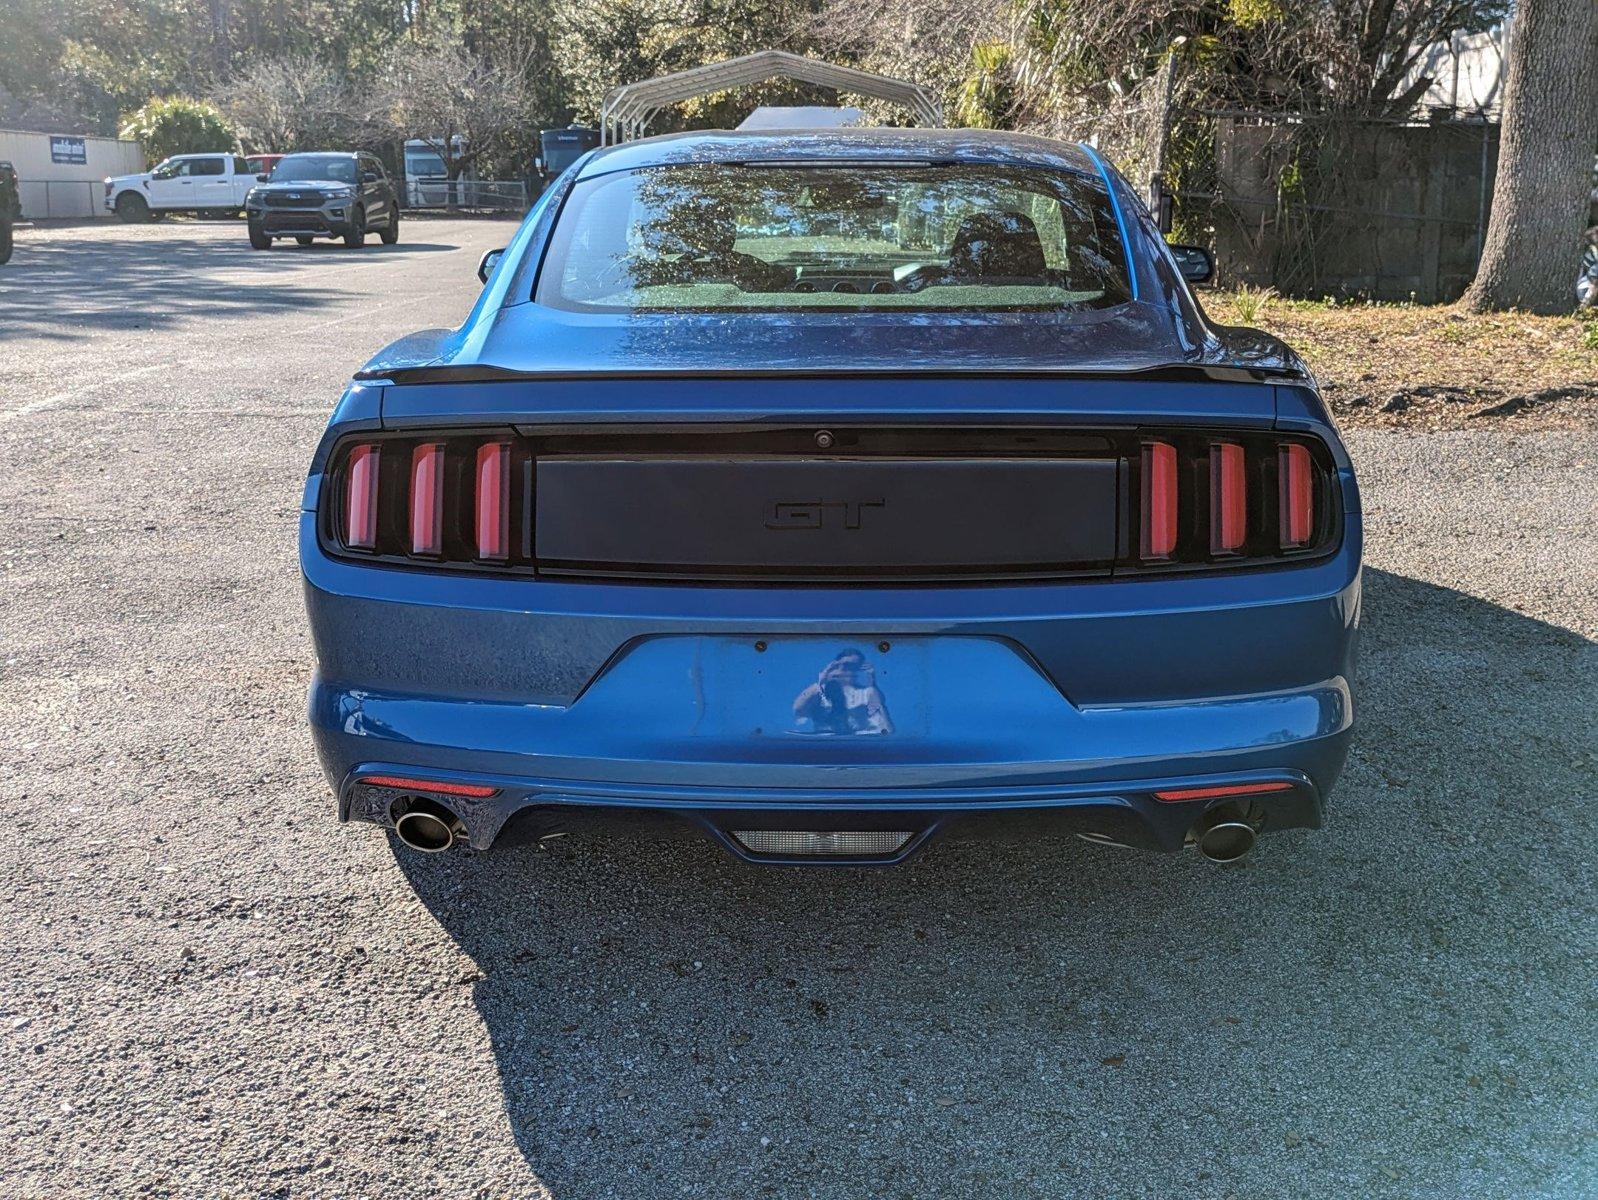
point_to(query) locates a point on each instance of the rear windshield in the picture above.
(732, 237)
(334, 168)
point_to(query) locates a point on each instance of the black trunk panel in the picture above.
(806, 517)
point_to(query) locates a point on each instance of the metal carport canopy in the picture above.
(628, 108)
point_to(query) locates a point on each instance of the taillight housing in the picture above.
(450, 499)
(1208, 499)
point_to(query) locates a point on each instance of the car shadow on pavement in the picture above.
(58, 285)
(1390, 1006)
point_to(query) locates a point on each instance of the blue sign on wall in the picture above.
(71, 150)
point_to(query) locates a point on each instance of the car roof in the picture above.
(851, 145)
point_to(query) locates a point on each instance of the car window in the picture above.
(207, 166)
(241, 166)
(334, 168)
(170, 169)
(727, 237)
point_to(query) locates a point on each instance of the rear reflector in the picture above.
(1297, 484)
(1213, 793)
(425, 785)
(1228, 498)
(493, 501)
(427, 499)
(360, 509)
(866, 843)
(1159, 500)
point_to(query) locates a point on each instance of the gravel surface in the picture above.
(209, 988)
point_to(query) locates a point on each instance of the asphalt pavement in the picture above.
(208, 988)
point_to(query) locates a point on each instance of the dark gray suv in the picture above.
(323, 195)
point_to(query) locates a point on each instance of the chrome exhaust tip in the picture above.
(1224, 834)
(427, 826)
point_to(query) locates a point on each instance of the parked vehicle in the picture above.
(6, 242)
(10, 193)
(427, 181)
(832, 541)
(192, 183)
(324, 195)
(559, 148)
(262, 164)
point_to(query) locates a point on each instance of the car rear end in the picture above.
(828, 613)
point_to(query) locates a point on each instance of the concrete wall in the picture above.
(1388, 211)
(52, 189)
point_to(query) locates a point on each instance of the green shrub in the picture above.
(177, 125)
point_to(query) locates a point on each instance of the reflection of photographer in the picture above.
(844, 699)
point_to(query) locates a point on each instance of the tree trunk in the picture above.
(1549, 134)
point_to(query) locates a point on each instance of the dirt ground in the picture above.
(1434, 367)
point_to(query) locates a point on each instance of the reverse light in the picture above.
(1159, 500)
(1228, 498)
(1215, 793)
(476, 790)
(1296, 483)
(360, 498)
(493, 501)
(427, 499)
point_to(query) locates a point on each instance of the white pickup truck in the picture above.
(183, 183)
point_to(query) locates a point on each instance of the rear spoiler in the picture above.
(432, 373)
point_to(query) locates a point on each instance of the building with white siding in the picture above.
(62, 175)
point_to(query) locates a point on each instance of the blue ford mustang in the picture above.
(829, 491)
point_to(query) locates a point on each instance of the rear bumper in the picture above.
(1067, 704)
(1123, 814)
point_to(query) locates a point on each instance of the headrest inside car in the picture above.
(1004, 244)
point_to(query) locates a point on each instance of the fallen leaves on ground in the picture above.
(1441, 366)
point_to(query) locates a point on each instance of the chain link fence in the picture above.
(481, 195)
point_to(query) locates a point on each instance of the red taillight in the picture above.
(1228, 498)
(427, 499)
(493, 501)
(1159, 500)
(425, 785)
(1215, 793)
(1297, 487)
(360, 499)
